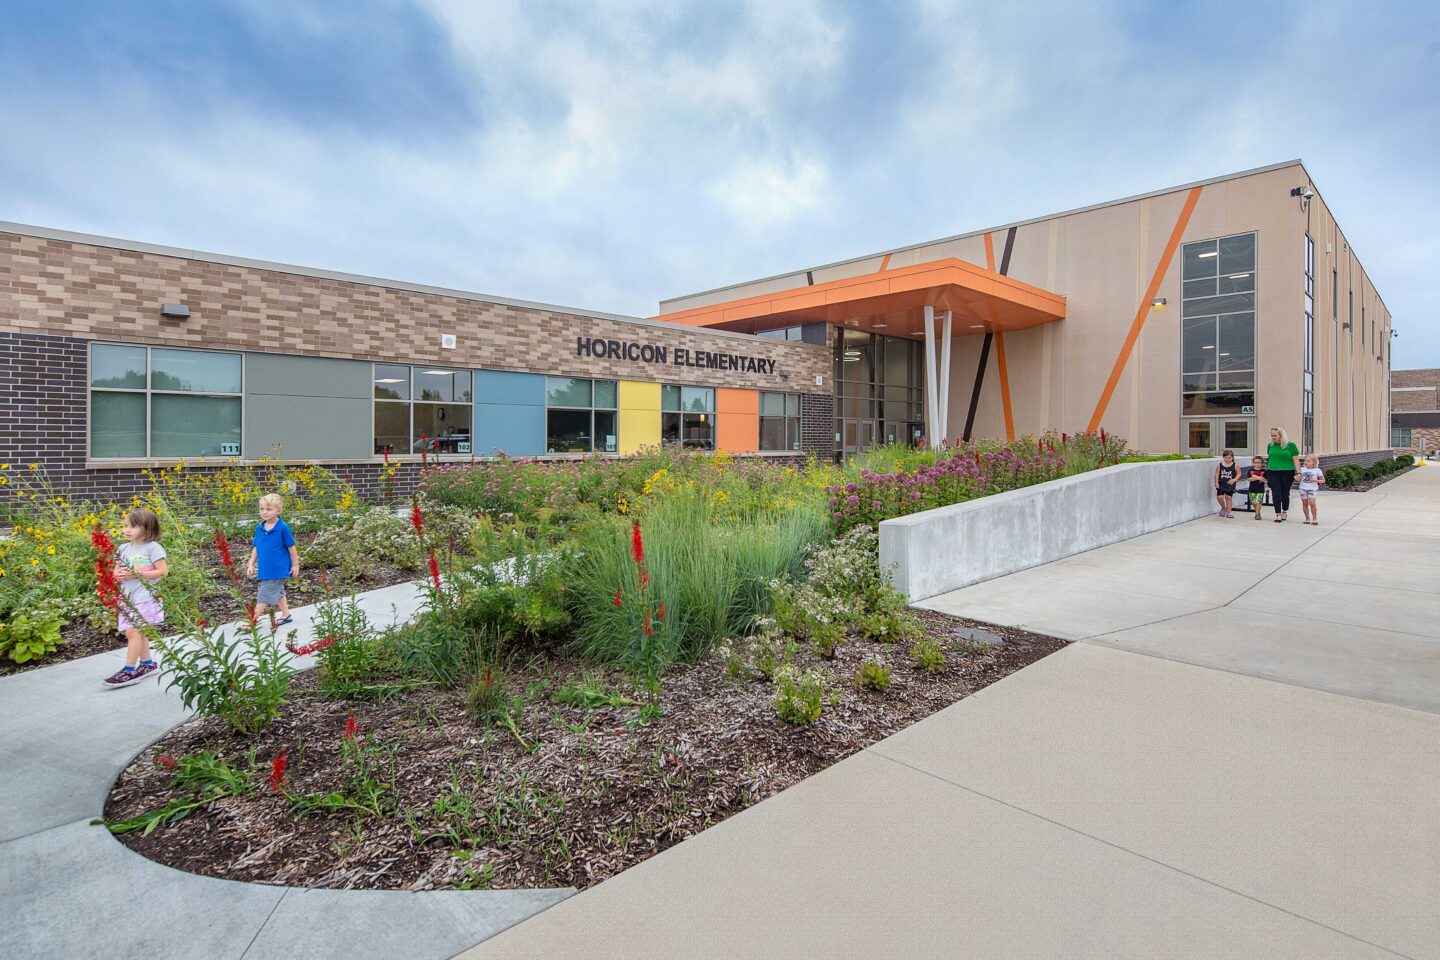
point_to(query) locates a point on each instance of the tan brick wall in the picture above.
(66, 288)
(1403, 401)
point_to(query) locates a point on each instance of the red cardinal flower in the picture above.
(424, 446)
(107, 587)
(646, 625)
(167, 762)
(277, 770)
(417, 517)
(637, 543)
(200, 623)
(617, 598)
(386, 453)
(352, 728)
(660, 614)
(434, 570)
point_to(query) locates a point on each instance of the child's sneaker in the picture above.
(145, 669)
(124, 678)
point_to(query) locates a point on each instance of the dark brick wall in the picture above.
(817, 425)
(1359, 458)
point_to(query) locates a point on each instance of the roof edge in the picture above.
(1005, 226)
(137, 246)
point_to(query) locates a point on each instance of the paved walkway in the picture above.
(1241, 758)
(68, 889)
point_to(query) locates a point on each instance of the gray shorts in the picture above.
(271, 591)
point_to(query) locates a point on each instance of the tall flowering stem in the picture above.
(107, 586)
(417, 518)
(277, 770)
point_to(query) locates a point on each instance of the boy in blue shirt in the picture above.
(273, 558)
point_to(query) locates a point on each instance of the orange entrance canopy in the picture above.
(892, 302)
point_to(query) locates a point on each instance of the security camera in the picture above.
(1306, 193)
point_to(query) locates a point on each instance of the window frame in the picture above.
(592, 409)
(409, 403)
(147, 392)
(684, 415)
(786, 418)
(1188, 396)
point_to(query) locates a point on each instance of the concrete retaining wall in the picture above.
(952, 547)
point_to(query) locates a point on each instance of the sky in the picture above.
(609, 154)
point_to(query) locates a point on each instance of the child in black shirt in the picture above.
(1256, 477)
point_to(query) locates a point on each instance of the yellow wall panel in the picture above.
(639, 415)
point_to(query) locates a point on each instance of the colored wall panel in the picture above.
(737, 420)
(639, 415)
(308, 428)
(504, 387)
(314, 408)
(284, 375)
(512, 428)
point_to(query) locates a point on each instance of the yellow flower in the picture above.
(34, 466)
(34, 561)
(51, 550)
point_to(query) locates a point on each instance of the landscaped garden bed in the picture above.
(610, 654)
(573, 794)
(1355, 479)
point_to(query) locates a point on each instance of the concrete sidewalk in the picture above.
(69, 889)
(1238, 760)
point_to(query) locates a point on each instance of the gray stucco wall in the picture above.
(313, 407)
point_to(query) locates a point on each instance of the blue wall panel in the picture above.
(518, 389)
(516, 430)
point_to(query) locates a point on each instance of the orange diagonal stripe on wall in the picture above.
(1004, 385)
(1144, 309)
(989, 253)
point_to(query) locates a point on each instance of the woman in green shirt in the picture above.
(1280, 470)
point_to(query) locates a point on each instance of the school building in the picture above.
(1187, 319)
(1415, 411)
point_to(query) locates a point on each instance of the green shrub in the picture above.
(928, 655)
(799, 698)
(873, 675)
(243, 678)
(1405, 460)
(519, 598)
(25, 638)
(891, 626)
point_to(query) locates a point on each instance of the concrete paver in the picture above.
(874, 859)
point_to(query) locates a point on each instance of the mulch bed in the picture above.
(1372, 484)
(81, 639)
(588, 794)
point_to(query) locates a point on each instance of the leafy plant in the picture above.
(971, 646)
(588, 693)
(242, 677)
(367, 792)
(873, 675)
(800, 698)
(928, 655)
(204, 776)
(29, 637)
(891, 626)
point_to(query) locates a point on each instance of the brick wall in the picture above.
(1422, 440)
(1413, 399)
(817, 425)
(67, 288)
(1359, 458)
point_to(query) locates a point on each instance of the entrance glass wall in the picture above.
(879, 390)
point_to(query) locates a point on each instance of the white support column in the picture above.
(945, 379)
(931, 396)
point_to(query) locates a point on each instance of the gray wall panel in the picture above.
(308, 428)
(276, 373)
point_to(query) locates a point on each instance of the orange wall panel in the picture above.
(737, 420)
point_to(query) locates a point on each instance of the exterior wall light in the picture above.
(1158, 302)
(177, 310)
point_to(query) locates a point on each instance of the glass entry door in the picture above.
(1210, 435)
(857, 436)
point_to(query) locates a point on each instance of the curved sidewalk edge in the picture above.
(70, 889)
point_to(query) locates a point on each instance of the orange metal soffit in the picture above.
(1144, 309)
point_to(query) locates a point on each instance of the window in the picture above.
(157, 402)
(580, 415)
(779, 421)
(419, 407)
(784, 333)
(1217, 353)
(688, 416)
(1307, 413)
(1400, 437)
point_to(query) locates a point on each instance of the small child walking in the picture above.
(273, 558)
(139, 562)
(1256, 476)
(1311, 476)
(1226, 473)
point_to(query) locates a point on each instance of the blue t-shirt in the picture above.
(272, 550)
